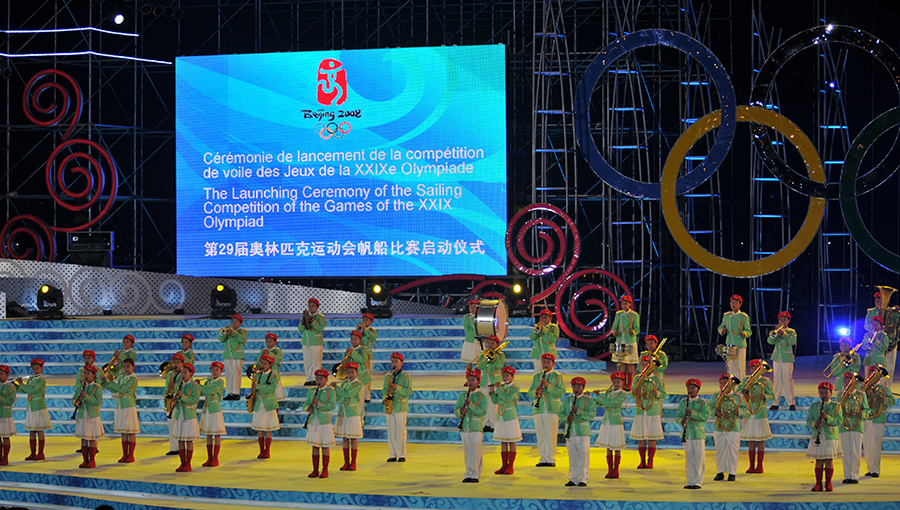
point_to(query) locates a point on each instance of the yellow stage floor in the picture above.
(436, 470)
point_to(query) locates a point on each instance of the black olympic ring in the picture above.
(334, 129)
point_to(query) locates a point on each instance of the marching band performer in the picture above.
(845, 345)
(396, 391)
(87, 424)
(490, 368)
(470, 407)
(349, 425)
(264, 405)
(171, 388)
(212, 422)
(187, 429)
(369, 339)
(755, 429)
(546, 389)
(360, 354)
(126, 352)
(730, 409)
(880, 399)
(646, 428)
(735, 326)
(471, 348)
(626, 327)
(578, 410)
(612, 431)
(124, 386)
(277, 355)
(544, 335)
(692, 414)
(320, 402)
(37, 418)
(784, 339)
(187, 349)
(89, 357)
(651, 343)
(877, 342)
(854, 411)
(890, 355)
(7, 427)
(311, 327)
(234, 337)
(822, 418)
(507, 431)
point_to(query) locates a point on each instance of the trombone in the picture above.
(491, 354)
(844, 359)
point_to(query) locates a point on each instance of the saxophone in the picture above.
(170, 394)
(251, 398)
(388, 399)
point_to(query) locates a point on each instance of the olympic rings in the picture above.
(801, 41)
(727, 102)
(334, 129)
(723, 266)
(848, 191)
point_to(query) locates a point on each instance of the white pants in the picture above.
(873, 434)
(472, 446)
(890, 361)
(546, 426)
(233, 372)
(396, 428)
(694, 461)
(312, 361)
(579, 448)
(851, 444)
(727, 446)
(173, 443)
(737, 367)
(784, 382)
(490, 418)
(538, 366)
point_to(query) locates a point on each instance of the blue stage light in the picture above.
(843, 331)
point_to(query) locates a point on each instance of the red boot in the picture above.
(215, 461)
(92, 453)
(818, 486)
(324, 473)
(131, 446)
(124, 450)
(188, 455)
(346, 465)
(352, 459)
(628, 378)
(643, 451)
(268, 447)
(609, 465)
(651, 452)
(752, 457)
(262, 448)
(85, 456)
(209, 456)
(828, 473)
(510, 457)
(181, 456)
(502, 470)
(618, 458)
(4, 454)
(759, 461)
(33, 444)
(315, 471)
(40, 453)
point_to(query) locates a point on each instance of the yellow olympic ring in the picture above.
(735, 268)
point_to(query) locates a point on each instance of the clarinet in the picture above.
(78, 401)
(819, 428)
(462, 412)
(539, 392)
(571, 417)
(684, 420)
(309, 412)
(180, 384)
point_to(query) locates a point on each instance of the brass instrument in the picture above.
(170, 391)
(659, 347)
(644, 400)
(177, 391)
(360, 327)
(491, 354)
(166, 368)
(539, 392)
(538, 327)
(890, 315)
(838, 360)
(728, 406)
(388, 399)
(758, 397)
(338, 370)
(251, 398)
(462, 412)
(309, 411)
(851, 408)
(876, 399)
(571, 417)
(111, 366)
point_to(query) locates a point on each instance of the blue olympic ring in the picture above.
(334, 129)
(727, 103)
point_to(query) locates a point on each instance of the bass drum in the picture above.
(491, 318)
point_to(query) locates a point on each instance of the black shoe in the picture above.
(467, 480)
(730, 478)
(874, 475)
(173, 452)
(847, 480)
(854, 481)
(692, 487)
(551, 464)
(401, 459)
(309, 383)
(868, 474)
(582, 484)
(487, 428)
(231, 397)
(367, 401)
(570, 483)
(392, 460)
(773, 408)
(542, 464)
(78, 450)
(792, 407)
(719, 477)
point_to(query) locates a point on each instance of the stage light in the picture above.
(829, 28)
(378, 302)
(518, 299)
(222, 301)
(118, 18)
(843, 331)
(832, 84)
(49, 302)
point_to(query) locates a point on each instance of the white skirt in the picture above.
(265, 421)
(320, 435)
(507, 431)
(611, 437)
(646, 428)
(470, 351)
(829, 449)
(187, 429)
(37, 420)
(7, 427)
(212, 424)
(631, 358)
(755, 429)
(350, 426)
(88, 428)
(126, 421)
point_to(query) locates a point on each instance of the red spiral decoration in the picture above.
(578, 302)
(31, 100)
(81, 161)
(540, 264)
(21, 226)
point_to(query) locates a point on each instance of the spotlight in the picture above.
(518, 299)
(829, 28)
(378, 302)
(49, 302)
(118, 18)
(843, 331)
(222, 301)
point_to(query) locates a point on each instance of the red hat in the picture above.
(217, 364)
(693, 382)
(6, 369)
(474, 373)
(494, 338)
(397, 355)
(473, 302)
(88, 352)
(508, 369)
(873, 367)
(848, 375)
(546, 311)
(356, 333)
(321, 372)
(238, 317)
(645, 357)
(879, 318)
(188, 366)
(651, 337)
(878, 294)
(784, 314)
(351, 364)
(549, 355)
(369, 316)
(188, 336)
(128, 337)
(178, 356)
(626, 297)
(737, 298)
(37, 361)
(313, 300)
(754, 363)
(91, 368)
(578, 380)
(273, 336)
(826, 385)
(726, 375)
(268, 358)
(617, 375)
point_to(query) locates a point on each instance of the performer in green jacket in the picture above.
(471, 347)
(490, 369)
(854, 412)
(277, 355)
(87, 421)
(396, 391)
(7, 427)
(612, 429)
(37, 419)
(735, 327)
(729, 410)
(651, 343)
(212, 422)
(361, 355)
(505, 396)
(349, 424)
(187, 430)
(625, 328)
(126, 352)
(880, 399)
(546, 389)
(369, 339)
(755, 429)
(187, 348)
(320, 402)
(124, 386)
(824, 445)
(311, 327)
(470, 408)
(234, 337)
(785, 340)
(544, 335)
(845, 344)
(578, 410)
(692, 414)
(646, 428)
(264, 405)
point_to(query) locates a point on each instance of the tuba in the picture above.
(891, 316)
(755, 392)
(873, 395)
(851, 405)
(643, 396)
(728, 404)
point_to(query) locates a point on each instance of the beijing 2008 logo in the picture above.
(331, 83)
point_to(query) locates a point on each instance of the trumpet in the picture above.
(538, 327)
(491, 354)
(360, 327)
(111, 366)
(227, 330)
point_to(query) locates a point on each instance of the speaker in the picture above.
(91, 258)
(90, 241)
